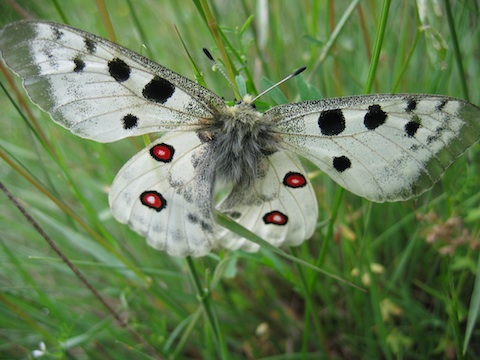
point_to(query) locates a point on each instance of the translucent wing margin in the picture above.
(98, 89)
(381, 147)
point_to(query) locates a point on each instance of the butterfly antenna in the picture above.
(295, 73)
(217, 66)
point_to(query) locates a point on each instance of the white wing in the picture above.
(97, 89)
(158, 194)
(382, 147)
(280, 207)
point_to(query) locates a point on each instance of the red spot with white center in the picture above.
(275, 218)
(153, 199)
(162, 152)
(294, 180)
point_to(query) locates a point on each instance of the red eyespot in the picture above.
(275, 218)
(162, 152)
(154, 200)
(294, 180)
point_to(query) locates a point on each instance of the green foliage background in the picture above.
(416, 261)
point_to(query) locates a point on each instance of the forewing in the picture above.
(381, 147)
(280, 207)
(98, 89)
(158, 194)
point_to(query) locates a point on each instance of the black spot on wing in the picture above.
(206, 226)
(90, 45)
(411, 105)
(119, 70)
(431, 139)
(194, 219)
(440, 130)
(235, 215)
(374, 117)
(57, 33)
(442, 104)
(341, 163)
(331, 122)
(411, 128)
(79, 65)
(158, 90)
(130, 121)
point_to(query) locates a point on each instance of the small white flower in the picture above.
(40, 352)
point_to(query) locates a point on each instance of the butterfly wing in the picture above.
(158, 194)
(280, 207)
(98, 89)
(381, 147)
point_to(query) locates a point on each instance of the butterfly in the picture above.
(381, 147)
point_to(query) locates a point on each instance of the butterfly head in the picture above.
(247, 100)
(243, 113)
